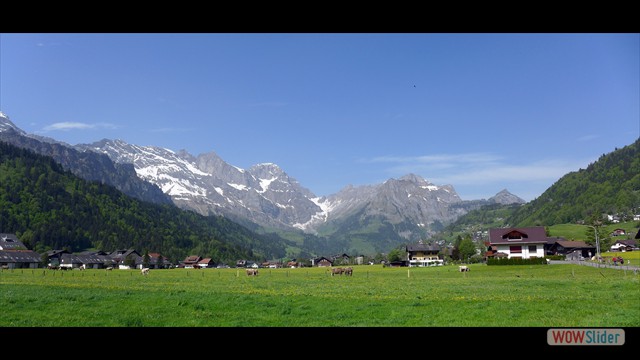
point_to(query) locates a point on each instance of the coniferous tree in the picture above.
(146, 260)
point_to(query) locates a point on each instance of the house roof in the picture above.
(574, 244)
(524, 235)
(553, 240)
(120, 255)
(11, 242)
(70, 259)
(193, 259)
(629, 242)
(423, 247)
(51, 253)
(19, 256)
(95, 258)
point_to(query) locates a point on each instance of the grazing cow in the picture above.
(252, 272)
(145, 271)
(348, 271)
(463, 268)
(337, 271)
(83, 267)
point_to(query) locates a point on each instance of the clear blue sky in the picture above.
(481, 112)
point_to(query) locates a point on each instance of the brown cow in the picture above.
(252, 272)
(337, 271)
(348, 271)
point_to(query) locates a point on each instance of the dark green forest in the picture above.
(50, 208)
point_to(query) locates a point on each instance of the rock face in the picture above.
(264, 194)
(504, 197)
(87, 165)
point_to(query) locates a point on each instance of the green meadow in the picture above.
(487, 296)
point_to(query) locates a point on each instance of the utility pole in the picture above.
(595, 231)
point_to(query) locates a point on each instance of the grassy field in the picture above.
(487, 296)
(579, 232)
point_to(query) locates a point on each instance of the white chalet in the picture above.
(525, 243)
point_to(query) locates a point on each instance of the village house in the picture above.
(124, 259)
(206, 263)
(624, 245)
(525, 242)
(421, 255)
(191, 262)
(322, 262)
(573, 250)
(618, 232)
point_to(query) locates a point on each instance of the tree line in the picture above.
(50, 208)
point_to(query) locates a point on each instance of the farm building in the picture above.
(14, 254)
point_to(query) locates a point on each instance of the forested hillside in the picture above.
(50, 208)
(610, 185)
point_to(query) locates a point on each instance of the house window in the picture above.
(515, 249)
(533, 248)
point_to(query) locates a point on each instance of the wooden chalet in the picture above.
(206, 263)
(422, 255)
(191, 261)
(322, 262)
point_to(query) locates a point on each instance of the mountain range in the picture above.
(264, 198)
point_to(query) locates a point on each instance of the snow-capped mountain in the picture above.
(263, 194)
(6, 125)
(411, 207)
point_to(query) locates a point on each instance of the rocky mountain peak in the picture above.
(505, 197)
(7, 125)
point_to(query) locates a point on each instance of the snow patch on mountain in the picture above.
(264, 184)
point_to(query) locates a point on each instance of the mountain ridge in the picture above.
(409, 208)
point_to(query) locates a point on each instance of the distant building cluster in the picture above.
(524, 242)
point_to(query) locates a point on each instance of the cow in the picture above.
(463, 268)
(145, 271)
(348, 271)
(337, 271)
(109, 268)
(252, 272)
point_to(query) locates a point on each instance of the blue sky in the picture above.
(481, 112)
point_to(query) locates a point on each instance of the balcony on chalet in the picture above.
(425, 261)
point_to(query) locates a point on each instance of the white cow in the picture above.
(145, 271)
(463, 268)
